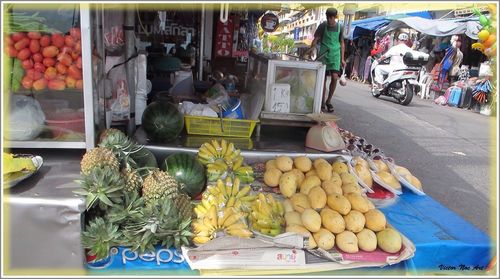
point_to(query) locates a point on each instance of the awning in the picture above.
(437, 27)
(365, 26)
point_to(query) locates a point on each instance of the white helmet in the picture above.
(403, 37)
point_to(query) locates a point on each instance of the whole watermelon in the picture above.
(162, 121)
(188, 171)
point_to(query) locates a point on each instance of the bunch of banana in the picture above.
(227, 193)
(229, 220)
(245, 173)
(267, 215)
(209, 152)
(216, 170)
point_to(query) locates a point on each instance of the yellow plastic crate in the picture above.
(202, 125)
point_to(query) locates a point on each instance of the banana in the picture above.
(213, 190)
(229, 185)
(206, 204)
(199, 227)
(237, 163)
(231, 201)
(205, 155)
(221, 187)
(201, 239)
(229, 151)
(248, 198)
(237, 226)
(240, 233)
(217, 147)
(228, 211)
(237, 204)
(232, 219)
(236, 187)
(211, 149)
(243, 192)
(211, 216)
(221, 164)
(223, 144)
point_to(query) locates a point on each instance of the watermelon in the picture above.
(188, 171)
(162, 121)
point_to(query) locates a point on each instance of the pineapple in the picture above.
(121, 145)
(102, 185)
(133, 180)
(184, 206)
(130, 208)
(109, 132)
(159, 184)
(99, 236)
(158, 223)
(97, 158)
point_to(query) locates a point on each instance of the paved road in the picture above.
(447, 148)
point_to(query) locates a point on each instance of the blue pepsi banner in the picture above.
(125, 259)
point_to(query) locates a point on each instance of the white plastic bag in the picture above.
(343, 79)
(26, 119)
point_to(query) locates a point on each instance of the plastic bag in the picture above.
(217, 95)
(343, 79)
(120, 100)
(26, 119)
(113, 30)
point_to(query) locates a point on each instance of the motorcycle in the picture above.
(401, 84)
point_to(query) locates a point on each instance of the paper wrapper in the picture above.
(283, 252)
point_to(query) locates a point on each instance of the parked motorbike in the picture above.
(401, 84)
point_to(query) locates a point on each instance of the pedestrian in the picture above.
(329, 35)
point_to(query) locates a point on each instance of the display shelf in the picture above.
(45, 144)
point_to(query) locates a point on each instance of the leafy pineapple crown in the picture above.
(99, 236)
(101, 185)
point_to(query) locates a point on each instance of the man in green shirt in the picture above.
(329, 35)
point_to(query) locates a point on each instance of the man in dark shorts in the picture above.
(329, 35)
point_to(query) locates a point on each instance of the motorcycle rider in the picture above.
(395, 53)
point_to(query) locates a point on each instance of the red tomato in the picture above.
(50, 73)
(49, 62)
(39, 67)
(34, 35)
(78, 46)
(74, 72)
(27, 64)
(24, 54)
(79, 63)
(45, 41)
(65, 49)
(50, 51)
(65, 59)
(37, 57)
(79, 84)
(12, 51)
(70, 82)
(61, 68)
(33, 74)
(40, 84)
(34, 46)
(57, 40)
(75, 54)
(69, 41)
(75, 33)
(16, 37)
(27, 82)
(23, 43)
(8, 41)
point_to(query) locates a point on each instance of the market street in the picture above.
(446, 148)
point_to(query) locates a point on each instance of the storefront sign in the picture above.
(224, 38)
(269, 22)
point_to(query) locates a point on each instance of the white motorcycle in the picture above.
(401, 84)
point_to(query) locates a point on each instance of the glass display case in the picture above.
(293, 89)
(47, 82)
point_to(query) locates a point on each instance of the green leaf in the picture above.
(104, 199)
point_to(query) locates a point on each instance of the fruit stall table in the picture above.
(43, 218)
(45, 225)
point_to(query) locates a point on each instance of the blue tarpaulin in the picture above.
(442, 238)
(365, 26)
